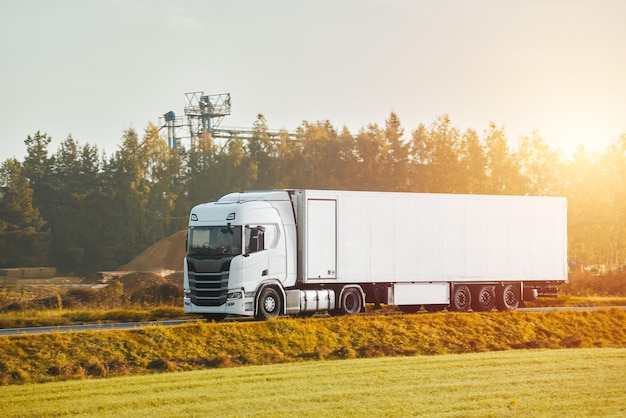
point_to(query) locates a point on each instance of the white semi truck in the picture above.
(297, 252)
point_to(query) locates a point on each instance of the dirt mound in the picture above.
(166, 254)
(150, 288)
(141, 282)
(175, 278)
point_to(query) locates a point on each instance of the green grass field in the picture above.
(567, 382)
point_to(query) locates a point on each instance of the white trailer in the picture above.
(291, 252)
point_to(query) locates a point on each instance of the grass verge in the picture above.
(201, 345)
(569, 382)
(54, 317)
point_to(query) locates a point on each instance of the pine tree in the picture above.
(23, 239)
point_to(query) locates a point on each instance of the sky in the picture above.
(93, 69)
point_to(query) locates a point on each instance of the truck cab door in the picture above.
(255, 257)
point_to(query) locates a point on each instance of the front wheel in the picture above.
(268, 304)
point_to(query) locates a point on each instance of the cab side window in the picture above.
(255, 239)
(259, 237)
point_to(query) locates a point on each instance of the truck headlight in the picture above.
(238, 294)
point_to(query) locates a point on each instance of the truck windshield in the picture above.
(214, 240)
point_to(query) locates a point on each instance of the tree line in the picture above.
(81, 210)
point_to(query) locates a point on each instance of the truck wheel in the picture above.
(351, 301)
(461, 299)
(268, 304)
(507, 298)
(483, 298)
(410, 308)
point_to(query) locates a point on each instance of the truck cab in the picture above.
(238, 247)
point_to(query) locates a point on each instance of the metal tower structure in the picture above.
(203, 113)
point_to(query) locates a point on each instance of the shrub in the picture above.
(586, 284)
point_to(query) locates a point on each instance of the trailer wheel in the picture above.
(351, 301)
(461, 299)
(268, 304)
(507, 298)
(483, 298)
(409, 308)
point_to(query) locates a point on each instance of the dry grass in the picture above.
(55, 317)
(143, 296)
(41, 358)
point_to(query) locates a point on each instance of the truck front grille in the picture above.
(208, 281)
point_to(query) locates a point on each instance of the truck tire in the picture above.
(483, 298)
(351, 301)
(461, 299)
(507, 297)
(269, 304)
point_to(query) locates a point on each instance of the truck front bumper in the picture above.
(236, 304)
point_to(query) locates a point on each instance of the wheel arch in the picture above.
(277, 285)
(343, 290)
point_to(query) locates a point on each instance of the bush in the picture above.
(587, 284)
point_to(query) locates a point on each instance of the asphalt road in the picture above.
(137, 325)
